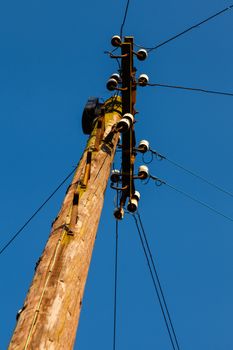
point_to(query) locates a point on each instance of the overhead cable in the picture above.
(157, 278)
(115, 288)
(160, 182)
(190, 28)
(161, 156)
(192, 89)
(154, 283)
(35, 213)
(124, 18)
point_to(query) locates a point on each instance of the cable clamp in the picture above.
(158, 155)
(158, 182)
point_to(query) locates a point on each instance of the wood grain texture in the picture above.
(52, 307)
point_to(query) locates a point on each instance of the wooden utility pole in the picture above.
(49, 317)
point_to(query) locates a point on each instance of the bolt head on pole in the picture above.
(119, 213)
(143, 172)
(125, 123)
(116, 76)
(136, 195)
(142, 54)
(143, 146)
(116, 41)
(133, 202)
(115, 176)
(129, 117)
(112, 84)
(143, 80)
(132, 205)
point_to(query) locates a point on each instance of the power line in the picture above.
(154, 283)
(35, 213)
(162, 182)
(199, 202)
(190, 28)
(115, 288)
(192, 89)
(124, 18)
(110, 53)
(192, 173)
(157, 278)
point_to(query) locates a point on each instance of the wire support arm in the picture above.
(110, 53)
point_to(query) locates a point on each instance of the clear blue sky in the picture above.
(51, 60)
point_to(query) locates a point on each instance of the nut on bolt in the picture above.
(143, 172)
(125, 123)
(133, 202)
(115, 176)
(142, 54)
(143, 146)
(116, 41)
(143, 80)
(112, 84)
(119, 213)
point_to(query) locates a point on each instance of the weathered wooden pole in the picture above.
(50, 314)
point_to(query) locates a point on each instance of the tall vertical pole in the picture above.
(50, 314)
